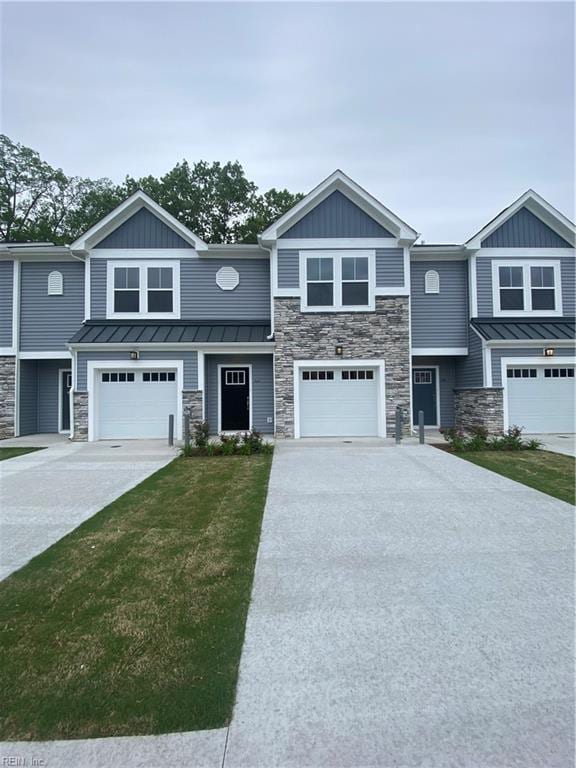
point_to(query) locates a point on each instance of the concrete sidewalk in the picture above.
(409, 608)
(46, 494)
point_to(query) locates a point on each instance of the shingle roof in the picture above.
(524, 329)
(173, 332)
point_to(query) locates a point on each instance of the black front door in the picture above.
(65, 386)
(235, 399)
(424, 395)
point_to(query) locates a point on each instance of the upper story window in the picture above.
(145, 289)
(337, 281)
(529, 287)
(431, 281)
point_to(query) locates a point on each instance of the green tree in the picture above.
(266, 209)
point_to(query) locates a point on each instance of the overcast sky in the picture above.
(444, 111)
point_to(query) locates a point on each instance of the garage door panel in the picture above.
(337, 407)
(137, 409)
(541, 398)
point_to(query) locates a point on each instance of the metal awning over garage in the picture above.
(525, 329)
(173, 332)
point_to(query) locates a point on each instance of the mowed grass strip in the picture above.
(12, 453)
(552, 473)
(134, 622)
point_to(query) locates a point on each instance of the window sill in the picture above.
(527, 313)
(336, 310)
(143, 316)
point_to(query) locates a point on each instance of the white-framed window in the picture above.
(118, 377)
(422, 377)
(55, 283)
(357, 374)
(526, 288)
(235, 378)
(522, 373)
(153, 377)
(337, 281)
(558, 373)
(317, 375)
(147, 288)
(431, 281)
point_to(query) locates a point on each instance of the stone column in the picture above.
(479, 407)
(7, 396)
(80, 415)
(191, 406)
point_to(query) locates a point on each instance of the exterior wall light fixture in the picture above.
(549, 352)
(134, 355)
(339, 350)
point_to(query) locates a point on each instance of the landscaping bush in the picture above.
(243, 444)
(477, 438)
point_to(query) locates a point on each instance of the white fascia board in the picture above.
(536, 205)
(343, 183)
(52, 355)
(335, 243)
(383, 291)
(439, 351)
(520, 343)
(438, 256)
(122, 213)
(7, 352)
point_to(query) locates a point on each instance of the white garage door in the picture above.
(541, 398)
(135, 404)
(338, 402)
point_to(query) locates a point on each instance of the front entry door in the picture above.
(235, 399)
(65, 387)
(424, 395)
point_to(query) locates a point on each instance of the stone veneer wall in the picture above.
(80, 415)
(380, 335)
(7, 396)
(479, 406)
(191, 406)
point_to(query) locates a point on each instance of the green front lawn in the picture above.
(552, 473)
(11, 453)
(134, 622)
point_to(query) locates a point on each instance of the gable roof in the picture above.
(536, 205)
(123, 212)
(339, 181)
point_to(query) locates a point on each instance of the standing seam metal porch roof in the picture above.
(173, 332)
(525, 329)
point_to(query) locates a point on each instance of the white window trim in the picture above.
(337, 256)
(374, 364)
(143, 267)
(527, 311)
(250, 422)
(527, 362)
(95, 367)
(437, 378)
(61, 429)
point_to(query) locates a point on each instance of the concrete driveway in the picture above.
(558, 443)
(45, 495)
(409, 609)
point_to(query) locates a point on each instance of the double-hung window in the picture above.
(526, 288)
(143, 289)
(337, 281)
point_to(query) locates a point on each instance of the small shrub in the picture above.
(455, 438)
(533, 445)
(512, 439)
(201, 434)
(253, 441)
(477, 438)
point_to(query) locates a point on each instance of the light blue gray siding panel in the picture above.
(447, 366)
(337, 216)
(484, 281)
(288, 268)
(470, 369)
(190, 359)
(28, 397)
(143, 230)
(262, 388)
(389, 268)
(6, 283)
(98, 289)
(498, 354)
(48, 322)
(440, 319)
(201, 299)
(524, 230)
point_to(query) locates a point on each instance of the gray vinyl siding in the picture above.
(447, 368)
(200, 297)
(143, 230)
(567, 273)
(48, 322)
(288, 268)
(524, 230)
(389, 268)
(6, 287)
(39, 393)
(470, 369)
(440, 319)
(337, 216)
(498, 354)
(189, 357)
(262, 388)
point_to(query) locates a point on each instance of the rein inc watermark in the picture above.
(17, 761)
